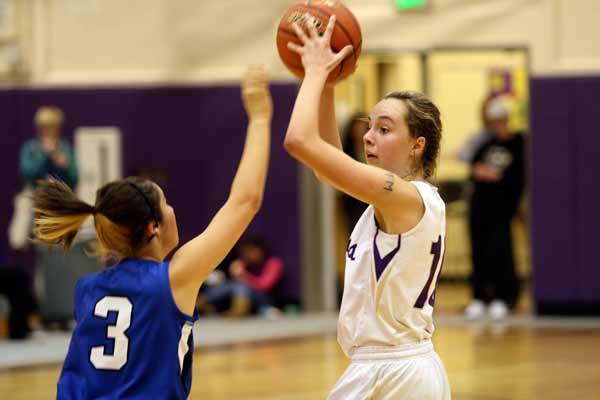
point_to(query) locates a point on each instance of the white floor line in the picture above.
(51, 348)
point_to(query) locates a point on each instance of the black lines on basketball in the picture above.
(346, 32)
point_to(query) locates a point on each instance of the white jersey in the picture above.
(389, 287)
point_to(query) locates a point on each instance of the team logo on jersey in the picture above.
(351, 249)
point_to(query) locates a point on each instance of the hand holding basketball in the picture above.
(312, 16)
(316, 53)
(255, 93)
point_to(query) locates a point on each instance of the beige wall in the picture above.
(95, 41)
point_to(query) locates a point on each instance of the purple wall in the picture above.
(10, 142)
(565, 160)
(194, 134)
(587, 194)
(552, 210)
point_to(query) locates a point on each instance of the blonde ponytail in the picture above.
(112, 238)
(59, 214)
(123, 210)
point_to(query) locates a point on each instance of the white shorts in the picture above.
(412, 372)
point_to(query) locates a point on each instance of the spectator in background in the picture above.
(48, 154)
(353, 145)
(15, 285)
(352, 208)
(498, 178)
(255, 278)
(44, 155)
(467, 152)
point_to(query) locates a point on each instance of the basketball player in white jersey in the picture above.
(395, 251)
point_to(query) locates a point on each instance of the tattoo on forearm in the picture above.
(389, 181)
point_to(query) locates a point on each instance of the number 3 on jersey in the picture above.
(115, 361)
(438, 260)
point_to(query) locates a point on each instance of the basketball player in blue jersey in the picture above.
(395, 251)
(134, 320)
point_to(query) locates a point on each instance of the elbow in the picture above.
(251, 202)
(292, 144)
(255, 203)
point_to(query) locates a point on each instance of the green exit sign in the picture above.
(404, 5)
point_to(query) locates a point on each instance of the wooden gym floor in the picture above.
(518, 364)
(485, 361)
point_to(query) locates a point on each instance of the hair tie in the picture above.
(146, 200)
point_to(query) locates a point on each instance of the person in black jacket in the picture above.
(14, 285)
(498, 180)
(352, 144)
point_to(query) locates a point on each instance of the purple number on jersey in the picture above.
(436, 250)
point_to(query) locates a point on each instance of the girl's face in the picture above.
(252, 254)
(169, 235)
(388, 143)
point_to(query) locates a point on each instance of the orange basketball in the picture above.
(346, 31)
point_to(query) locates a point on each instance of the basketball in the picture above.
(347, 31)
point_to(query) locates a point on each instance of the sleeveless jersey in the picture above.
(131, 340)
(389, 287)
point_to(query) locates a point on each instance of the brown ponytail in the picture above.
(59, 213)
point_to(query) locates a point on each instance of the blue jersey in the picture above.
(131, 340)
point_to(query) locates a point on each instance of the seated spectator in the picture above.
(255, 275)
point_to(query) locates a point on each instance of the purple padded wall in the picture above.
(587, 167)
(10, 141)
(194, 134)
(552, 191)
(565, 161)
